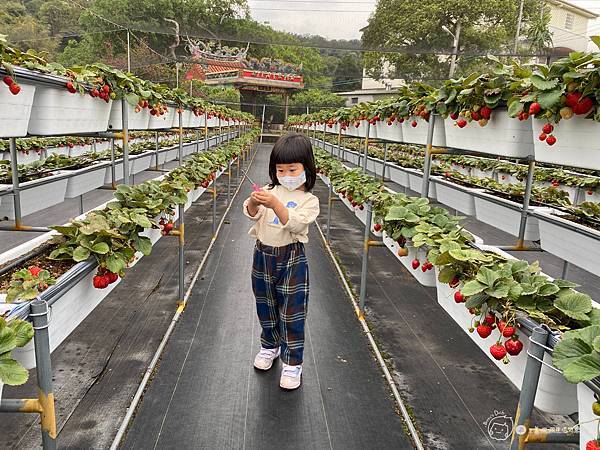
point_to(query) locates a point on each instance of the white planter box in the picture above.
(36, 198)
(79, 150)
(57, 111)
(346, 202)
(213, 122)
(554, 395)
(578, 244)
(58, 151)
(22, 157)
(15, 110)
(118, 172)
(455, 196)
(375, 233)
(478, 173)
(593, 197)
(162, 122)
(135, 121)
(424, 278)
(196, 121)
(361, 214)
(172, 154)
(507, 178)
(588, 429)
(186, 118)
(418, 134)
(374, 166)
(391, 133)
(502, 136)
(361, 131)
(415, 179)
(398, 175)
(84, 180)
(572, 148)
(141, 162)
(505, 215)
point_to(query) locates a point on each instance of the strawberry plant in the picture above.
(13, 334)
(26, 284)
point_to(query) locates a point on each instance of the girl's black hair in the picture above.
(293, 148)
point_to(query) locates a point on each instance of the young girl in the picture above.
(283, 211)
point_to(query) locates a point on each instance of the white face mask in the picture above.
(293, 183)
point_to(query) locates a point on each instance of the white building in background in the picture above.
(372, 89)
(570, 25)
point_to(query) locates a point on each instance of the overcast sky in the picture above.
(335, 19)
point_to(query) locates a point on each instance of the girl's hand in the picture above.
(265, 198)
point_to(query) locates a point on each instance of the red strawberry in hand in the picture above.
(415, 264)
(513, 346)
(498, 351)
(35, 271)
(484, 330)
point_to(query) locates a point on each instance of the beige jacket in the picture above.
(303, 210)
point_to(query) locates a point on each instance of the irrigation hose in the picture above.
(404, 411)
(142, 387)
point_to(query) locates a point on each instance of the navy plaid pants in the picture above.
(280, 285)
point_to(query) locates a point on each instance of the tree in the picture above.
(23, 30)
(486, 26)
(315, 100)
(348, 74)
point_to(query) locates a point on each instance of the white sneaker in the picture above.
(266, 356)
(291, 377)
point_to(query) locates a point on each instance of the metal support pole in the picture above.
(385, 150)
(157, 146)
(220, 138)
(205, 131)
(427, 168)
(262, 124)
(526, 200)
(14, 170)
(228, 182)
(39, 314)
(180, 112)
(535, 355)
(565, 270)
(365, 260)
(181, 253)
(125, 111)
(197, 140)
(329, 203)
(366, 155)
(113, 175)
(81, 204)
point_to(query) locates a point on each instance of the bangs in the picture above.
(293, 148)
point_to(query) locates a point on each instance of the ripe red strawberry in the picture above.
(543, 137)
(551, 140)
(498, 351)
(583, 106)
(490, 319)
(501, 326)
(429, 266)
(508, 331)
(590, 192)
(535, 108)
(454, 282)
(461, 123)
(94, 92)
(71, 87)
(594, 444)
(112, 277)
(485, 112)
(458, 297)
(454, 116)
(106, 88)
(413, 123)
(8, 80)
(167, 228)
(572, 98)
(415, 264)
(513, 346)
(361, 207)
(548, 128)
(401, 120)
(14, 89)
(484, 330)
(100, 282)
(424, 268)
(35, 271)
(377, 227)
(475, 115)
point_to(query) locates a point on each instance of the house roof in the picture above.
(578, 9)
